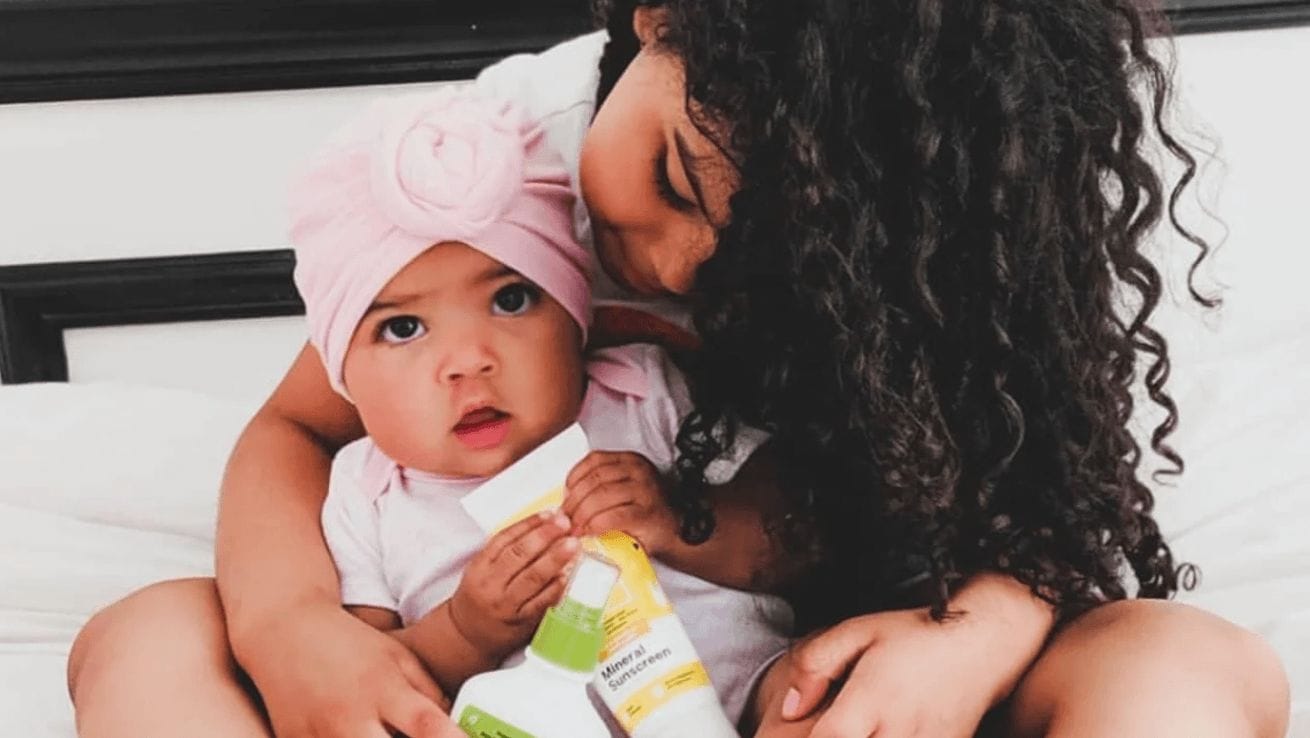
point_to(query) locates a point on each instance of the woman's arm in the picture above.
(270, 552)
(319, 671)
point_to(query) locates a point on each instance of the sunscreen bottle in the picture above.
(546, 695)
(650, 676)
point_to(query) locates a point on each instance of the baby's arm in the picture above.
(629, 488)
(505, 590)
(624, 491)
(448, 656)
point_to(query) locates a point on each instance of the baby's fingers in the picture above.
(622, 518)
(541, 573)
(516, 546)
(598, 480)
(533, 609)
(589, 463)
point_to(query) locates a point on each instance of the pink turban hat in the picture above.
(412, 172)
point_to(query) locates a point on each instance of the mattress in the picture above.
(108, 487)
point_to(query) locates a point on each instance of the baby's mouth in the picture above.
(482, 416)
(482, 428)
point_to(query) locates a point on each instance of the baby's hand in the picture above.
(620, 491)
(510, 583)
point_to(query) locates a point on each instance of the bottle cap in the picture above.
(570, 635)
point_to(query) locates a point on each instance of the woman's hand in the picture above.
(907, 675)
(326, 674)
(620, 491)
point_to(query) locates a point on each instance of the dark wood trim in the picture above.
(1210, 16)
(77, 49)
(39, 301)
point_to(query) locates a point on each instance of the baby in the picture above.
(449, 300)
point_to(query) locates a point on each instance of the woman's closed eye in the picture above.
(515, 299)
(401, 329)
(664, 186)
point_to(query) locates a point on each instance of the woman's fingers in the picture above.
(865, 706)
(822, 660)
(419, 678)
(408, 711)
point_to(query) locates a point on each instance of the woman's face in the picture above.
(656, 187)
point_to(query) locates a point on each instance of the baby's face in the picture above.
(461, 366)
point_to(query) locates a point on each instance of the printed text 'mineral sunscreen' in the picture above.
(650, 676)
(546, 695)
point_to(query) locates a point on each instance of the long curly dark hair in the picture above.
(932, 290)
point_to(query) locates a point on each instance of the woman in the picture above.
(905, 230)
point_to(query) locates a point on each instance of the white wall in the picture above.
(180, 175)
(163, 176)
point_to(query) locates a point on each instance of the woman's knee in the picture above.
(179, 619)
(1140, 662)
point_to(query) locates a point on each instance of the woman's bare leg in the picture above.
(157, 664)
(1156, 670)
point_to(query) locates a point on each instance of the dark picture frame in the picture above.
(78, 49)
(38, 302)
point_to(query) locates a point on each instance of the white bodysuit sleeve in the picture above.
(351, 529)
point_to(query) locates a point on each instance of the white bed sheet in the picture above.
(106, 488)
(103, 489)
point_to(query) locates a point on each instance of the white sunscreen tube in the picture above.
(649, 674)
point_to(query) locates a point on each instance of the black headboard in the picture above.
(39, 301)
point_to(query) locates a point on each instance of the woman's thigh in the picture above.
(1153, 669)
(157, 663)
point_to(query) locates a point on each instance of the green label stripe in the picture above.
(479, 724)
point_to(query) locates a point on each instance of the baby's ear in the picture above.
(647, 22)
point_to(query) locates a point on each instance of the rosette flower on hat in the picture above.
(416, 171)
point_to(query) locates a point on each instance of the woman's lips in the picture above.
(482, 429)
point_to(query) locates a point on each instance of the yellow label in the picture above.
(549, 501)
(659, 691)
(636, 599)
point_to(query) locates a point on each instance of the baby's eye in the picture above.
(514, 299)
(401, 329)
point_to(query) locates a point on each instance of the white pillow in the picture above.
(103, 488)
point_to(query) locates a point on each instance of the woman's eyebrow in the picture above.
(689, 160)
